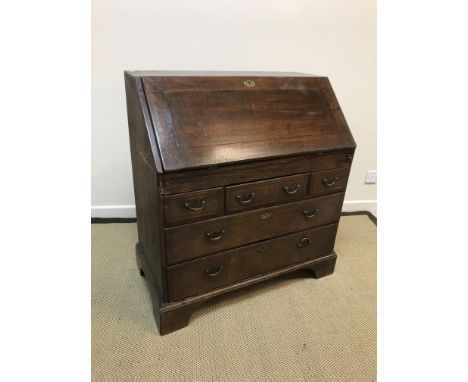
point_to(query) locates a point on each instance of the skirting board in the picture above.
(124, 211)
(128, 211)
(360, 205)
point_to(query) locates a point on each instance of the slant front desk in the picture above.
(238, 178)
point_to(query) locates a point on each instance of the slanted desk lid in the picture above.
(203, 121)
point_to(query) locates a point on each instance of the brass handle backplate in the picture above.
(196, 205)
(304, 242)
(214, 271)
(215, 235)
(330, 181)
(246, 198)
(291, 190)
(310, 213)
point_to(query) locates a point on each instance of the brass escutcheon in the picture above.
(266, 215)
(249, 83)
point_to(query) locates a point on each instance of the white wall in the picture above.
(335, 38)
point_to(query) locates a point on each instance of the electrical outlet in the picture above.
(371, 177)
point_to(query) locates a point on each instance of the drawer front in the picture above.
(250, 195)
(207, 273)
(328, 181)
(194, 240)
(205, 178)
(195, 205)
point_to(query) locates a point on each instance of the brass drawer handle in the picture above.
(330, 181)
(214, 271)
(310, 213)
(291, 190)
(246, 198)
(195, 205)
(305, 241)
(215, 235)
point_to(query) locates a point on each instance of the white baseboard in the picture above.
(128, 211)
(125, 211)
(360, 205)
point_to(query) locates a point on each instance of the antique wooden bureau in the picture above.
(238, 178)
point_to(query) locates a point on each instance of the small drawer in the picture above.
(198, 239)
(211, 272)
(250, 195)
(324, 182)
(190, 206)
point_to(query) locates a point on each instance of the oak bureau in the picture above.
(238, 178)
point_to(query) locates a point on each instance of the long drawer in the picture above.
(207, 273)
(197, 239)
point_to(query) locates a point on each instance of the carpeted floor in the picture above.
(293, 329)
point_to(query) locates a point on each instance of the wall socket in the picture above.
(371, 177)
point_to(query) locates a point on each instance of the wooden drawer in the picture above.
(205, 178)
(190, 206)
(207, 273)
(197, 239)
(324, 182)
(251, 195)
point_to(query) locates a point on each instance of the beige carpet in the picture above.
(293, 329)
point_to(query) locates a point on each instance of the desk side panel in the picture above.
(147, 170)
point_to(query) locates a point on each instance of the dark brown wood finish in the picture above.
(269, 118)
(146, 167)
(191, 206)
(201, 145)
(246, 196)
(246, 172)
(189, 241)
(324, 182)
(208, 273)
